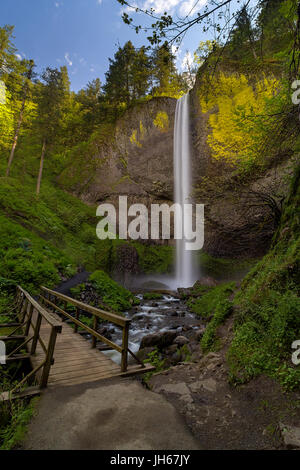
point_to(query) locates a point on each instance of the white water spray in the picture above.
(182, 186)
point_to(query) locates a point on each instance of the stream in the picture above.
(153, 316)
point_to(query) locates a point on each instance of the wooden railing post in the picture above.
(124, 361)
(18, 300)
(77, 318)
(36, 333)
(95, 326)
(29, 320)
(49, 358)
(23, 309)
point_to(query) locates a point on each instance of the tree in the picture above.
(165, 78)
(7, 51)
(25, 91)
(52, 93)
(128, 76)
(174, 29)
(89, 99)
(243, 33)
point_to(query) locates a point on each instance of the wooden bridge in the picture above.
(48, 332)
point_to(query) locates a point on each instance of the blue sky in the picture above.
(82, 34)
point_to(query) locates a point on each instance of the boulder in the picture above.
(160, 340)
(199, 333)
(291, 435)
(181, 340)
(206, 282)
(171, 349)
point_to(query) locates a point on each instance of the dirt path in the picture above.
(255, 416)
(113, 415)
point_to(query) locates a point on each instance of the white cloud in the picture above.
(183, 8)
(187, 61)
(190, 7)
(99, 2)
(68, 60)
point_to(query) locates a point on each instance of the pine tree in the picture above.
(164, 73)
(25, 92)
(52, 94)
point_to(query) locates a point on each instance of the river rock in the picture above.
(184, 292)
(181, 340)
(171, 349)
(161, 340)
(291, 435)
(199, 333)
(205, 282)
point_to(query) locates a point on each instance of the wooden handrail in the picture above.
(111, 317)
(82, 325)
(46, 315)
(97, 313)
(27, 309)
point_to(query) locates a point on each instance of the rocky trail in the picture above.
(256, 415)
(188, 405)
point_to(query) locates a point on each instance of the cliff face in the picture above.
(137, 160)
(241, 214)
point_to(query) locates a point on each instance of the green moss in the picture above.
(223, 268)
(152, 296)
(209, 299)
(210, 340)
(155, 258)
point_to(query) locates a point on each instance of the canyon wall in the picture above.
(136, 159)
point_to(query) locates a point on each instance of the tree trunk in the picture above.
(12, 153)
(38, 186)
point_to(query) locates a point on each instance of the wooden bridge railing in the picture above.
(27, 317)
(49, 299)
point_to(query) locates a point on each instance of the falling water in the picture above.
(182, 187)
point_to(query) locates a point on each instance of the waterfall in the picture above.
(182, 187)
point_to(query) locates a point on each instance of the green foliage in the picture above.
(128, 77)
(222, 268)
(209, 340)
(155, 259)
(269, 307)
(152, 296)
(14, 420)
(239, 127)
(155, 358)
(210, 298)
(115, 296)
(162, 121)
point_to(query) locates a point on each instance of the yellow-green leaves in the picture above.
(236, 128)
(162, 121)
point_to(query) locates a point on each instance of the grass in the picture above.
(210, 341)
(15, 417)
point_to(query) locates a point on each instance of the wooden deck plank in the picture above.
(75, 361)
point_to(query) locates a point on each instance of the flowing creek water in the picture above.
(153, 316)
